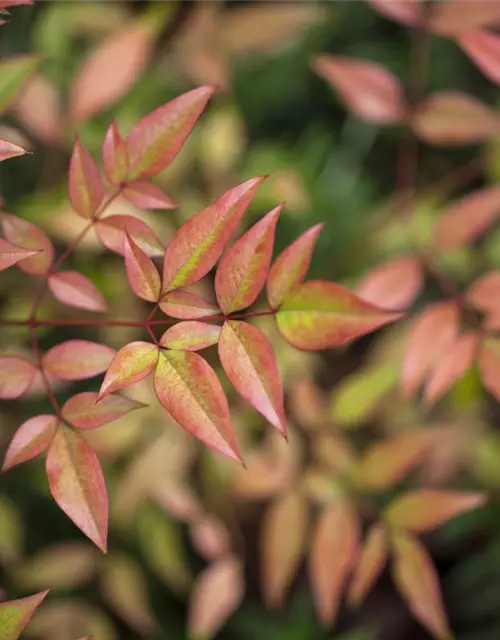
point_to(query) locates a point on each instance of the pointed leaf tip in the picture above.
(31, 438)
(142, 273)
(132, 363)
(15, 615)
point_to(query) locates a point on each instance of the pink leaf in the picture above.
(9, 150)
(114, 155)
(248, 359)
(408, 12)
(141, 272)
(14, 3)
(243, 269)
(291, 266)
(111, 233)
(188, 388)
(132, 363)
(25, 234)
(38, 108)
(191, 335)
(484, 293)
(15, 615)
(368, 89)
(16, 376)
(187, 306)
(453, 17)
(77, 359)
(11, 254)
(145, 195)
(489, 365)
(483, 48)
(155, 141)
(77, 484)
(371, 561)
(393, 284)
(84, 182)
(32, 438)
(83, 410)
(210, 537)
(75, 290)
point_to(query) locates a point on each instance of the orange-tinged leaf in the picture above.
(248, 359)
(367, 88)
(489, 365)
(283, 541)
(154, 142)
(111, 232)
(25, 234)
(84, 411)
(188, 388)
(142, 274)
(483, 48)
(318, 314)
(191, 335)
(15, 615)
(290, 267)
(145, 195)
(417, 581)
(10, 150)
(77, 484)
(484, 293)
(11, 254)
(243, 268)
(77, 359)
(186, 305)
(408, 12)
(84, 182)
(76, 290)
(334, 551)
(16, 376)
(371, 561)
(456, 16)
(132, 363)
(393, 284)
(115, 155)
(199, 242)
(31, 439)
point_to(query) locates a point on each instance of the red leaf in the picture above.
(10, 150)
(371, 561)
(155, 141)
(15, 615)
(199, 242)
(141, 272)
(16, 376)
(111, 233)
(408, 12)
(75, 290)
(417, 581)
(248, 359)
(83, 410)
(484, 293)
(456, 16)
(283, 541)
(110, 70)
(25, 234)
(11, 254)
(14, 3)
(394, 284)
(454, 118)
(115, 155)
(489, 365)
(132, 363)
(187, 306)
(31, 439)
(145, 195)
(368, 89)
(291, 266)
(319, 314)
(188, 388)
(77, 359)
(191, 336)
(77, 484)
(333, 553)
(483, 48)
(243, 269)
(84, 182)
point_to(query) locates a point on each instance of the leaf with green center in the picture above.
(142, 274)
(84, 182)
(16, 376)
(145, 195)
(489, 365)
(10, 150)
(111, 233)
(31, 439)
(77, 484)
(483, 48)
(318, 314)
(186, 305)
(248, 359)
(85, 412)
(189, 389)
(15, 615)
(132, 363)
(11, 254)
(244, 267)
(75, 290)
(77, 359)
(114, 155)
(15, 71)
(191, 335)
(371, 561)
(25, 234)
(199, 242)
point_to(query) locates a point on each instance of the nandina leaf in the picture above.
(484, 293)
(31, 439)
(45, 121)
(199, 242)
(111, 232)
(15, 71)
(216, 594)
(115, 155)
(110, 70)
(14, 3)
(408, 12)
(318, 314)
(84, 411)
(454, 17)
(334, 551)
(155, 141)
(424, 510)
(462, 222)
(15, 615)
(191, 335)
(489, 365)
(367, 88)
(210, 537)
(283, 540)
(248, 359)
(10, 150)
(393, 284)
(290, 267)
(187, 306)
(132, 363)
(188, 388)
(417, 581)
(371, 561)
(243, 268)
(483, 48)
(77, 359)
(454, 118)
(430, 335)
(16, 376)
(25, 234)
(145, 195)
(11, 254)
(141, 272)
(76, 290)
(84, 182)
